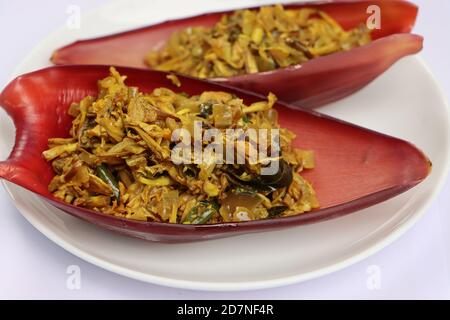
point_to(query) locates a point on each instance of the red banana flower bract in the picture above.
(355, 167)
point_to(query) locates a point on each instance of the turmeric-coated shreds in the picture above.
(120, 158)
(250, 41)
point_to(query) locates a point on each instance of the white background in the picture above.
(31, 266)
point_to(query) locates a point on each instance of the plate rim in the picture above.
(236, 286)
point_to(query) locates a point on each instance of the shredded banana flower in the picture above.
(119, 158)
(250, 41)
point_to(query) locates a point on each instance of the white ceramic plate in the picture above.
(405, 102)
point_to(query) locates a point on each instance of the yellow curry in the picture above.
(251, 41)
(120, 158)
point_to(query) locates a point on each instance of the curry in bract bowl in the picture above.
(170, 157)
(251, 41)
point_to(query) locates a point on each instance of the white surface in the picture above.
(414, 266)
